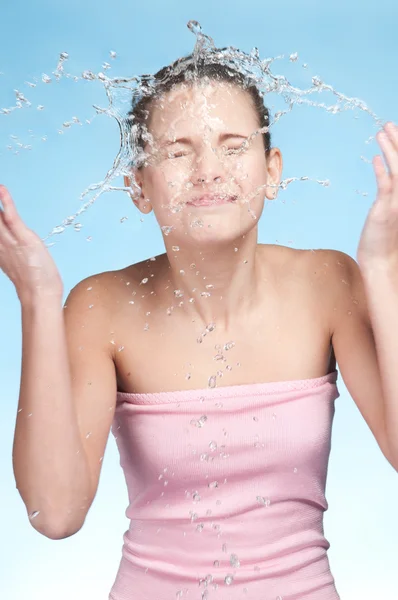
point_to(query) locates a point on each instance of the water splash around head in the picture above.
(123, 92)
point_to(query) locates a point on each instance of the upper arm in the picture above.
(92, 369)
(354, 345)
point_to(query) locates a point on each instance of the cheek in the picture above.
(251, 171)
(166, 187)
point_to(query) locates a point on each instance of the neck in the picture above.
(216, 284)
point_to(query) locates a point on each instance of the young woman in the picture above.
(214, 364)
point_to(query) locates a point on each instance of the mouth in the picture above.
(212, 200)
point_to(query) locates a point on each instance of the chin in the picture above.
(218, 234)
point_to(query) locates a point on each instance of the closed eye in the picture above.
(229, 150)
(235, 150)
(176, 154)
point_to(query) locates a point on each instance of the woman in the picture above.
(212, 363)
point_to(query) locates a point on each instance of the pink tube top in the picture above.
(226, 492)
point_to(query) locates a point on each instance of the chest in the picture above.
(288, 340)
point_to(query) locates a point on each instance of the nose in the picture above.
(208, 167)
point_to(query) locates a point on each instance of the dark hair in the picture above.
(189, 70)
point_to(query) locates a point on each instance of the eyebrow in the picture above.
(187, 140)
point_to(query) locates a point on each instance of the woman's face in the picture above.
(204, 144)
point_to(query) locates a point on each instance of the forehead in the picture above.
(195, 107)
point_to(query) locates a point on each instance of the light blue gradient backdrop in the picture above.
(352, 46)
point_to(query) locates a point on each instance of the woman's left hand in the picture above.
(378, 245)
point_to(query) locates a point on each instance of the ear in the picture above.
(138, 197)
(271, 190)
(274, 172)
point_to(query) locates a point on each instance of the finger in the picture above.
(6, 200)
(389, 151)
(382, 177)
(10, 215)
(392, 132)
(6, 237)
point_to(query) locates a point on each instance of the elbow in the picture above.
(56, 531)
(60, 534)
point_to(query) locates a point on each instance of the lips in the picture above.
(212, 199)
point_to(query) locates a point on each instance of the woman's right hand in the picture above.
(24, 258)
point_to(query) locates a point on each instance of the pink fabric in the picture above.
(226, 482)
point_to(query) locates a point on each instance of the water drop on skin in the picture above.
(212, 381)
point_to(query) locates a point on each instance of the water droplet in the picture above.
(167, 229)
(293, 57)
(175, 248)
(212, 381)
(264, 501)
(213, 484)
(229, 579)
(255, 53)
(194, 26)
(34, 514)
(317, 81)
(229, 345)
(234, 561)
(89, 75)
(58, 229)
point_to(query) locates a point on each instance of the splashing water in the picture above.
(120, 91)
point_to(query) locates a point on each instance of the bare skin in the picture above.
(287, 338)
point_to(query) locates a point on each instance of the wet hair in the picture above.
(194, 70)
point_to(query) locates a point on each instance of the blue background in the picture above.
(351, 46)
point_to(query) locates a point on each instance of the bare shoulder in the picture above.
(336, 267)
(107, 283)
(97, 287)
(328, 264)
(335, 272)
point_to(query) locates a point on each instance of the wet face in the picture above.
(207, 175)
